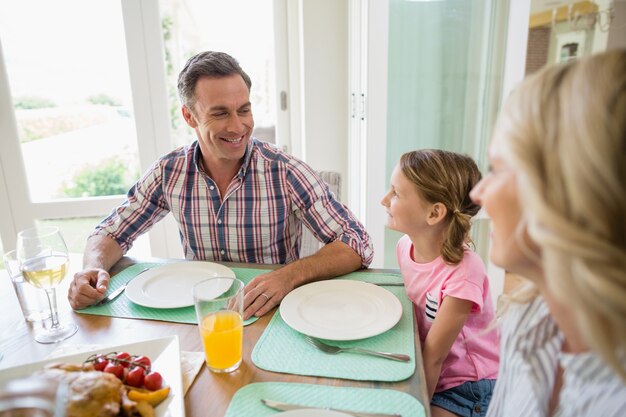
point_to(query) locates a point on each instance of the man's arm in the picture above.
(90, 284)
(266, 291)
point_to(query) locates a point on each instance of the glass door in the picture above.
(69, 149)
(88, 101)
(444, 81)
(448, 65)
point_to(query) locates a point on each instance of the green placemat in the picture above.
(282, 349)
(247, 401)
(123, 307)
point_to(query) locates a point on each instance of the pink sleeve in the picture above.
(468, 281)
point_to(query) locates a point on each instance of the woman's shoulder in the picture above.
(520, 319)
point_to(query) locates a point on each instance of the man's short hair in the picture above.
(206, 64)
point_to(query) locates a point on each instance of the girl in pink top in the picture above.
(429, 201)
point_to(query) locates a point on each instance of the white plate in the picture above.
(312, 412)
(340, 309)
(170, 285)
(165, 356)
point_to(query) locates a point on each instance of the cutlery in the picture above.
(391, 284)
(118, 291)
(336, 349)
(282, 406)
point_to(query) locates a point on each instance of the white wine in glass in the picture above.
(44, 262)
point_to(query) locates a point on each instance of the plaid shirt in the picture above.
(259, 220)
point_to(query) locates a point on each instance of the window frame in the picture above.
(146, 65)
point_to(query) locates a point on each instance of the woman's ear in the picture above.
(188, 116)
(437, 213)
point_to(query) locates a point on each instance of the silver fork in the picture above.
(336, 349)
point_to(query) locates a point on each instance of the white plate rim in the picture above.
(135, 293)
(290, 315)
(165, 355)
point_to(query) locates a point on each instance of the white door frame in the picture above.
(376, 115)
(146, 62)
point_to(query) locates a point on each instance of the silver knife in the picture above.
(118, 291)
(277, 405)
(112, 296)
(391, 284)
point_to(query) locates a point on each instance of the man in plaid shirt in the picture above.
(234, 198)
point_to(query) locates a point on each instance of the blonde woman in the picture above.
(556, 194)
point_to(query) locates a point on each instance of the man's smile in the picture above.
(233, 140)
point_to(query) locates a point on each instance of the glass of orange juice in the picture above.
(219, 308)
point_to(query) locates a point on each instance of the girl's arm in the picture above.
(448, 323)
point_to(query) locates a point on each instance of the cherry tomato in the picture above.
(123, 358)
(100, 364)
(142, 361)
(115, 369)
(153, 381)
(135, 377)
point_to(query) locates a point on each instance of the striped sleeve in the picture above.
(144, 206)
(328, 219)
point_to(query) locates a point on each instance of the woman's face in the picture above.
(497, 193)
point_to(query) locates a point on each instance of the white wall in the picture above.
(325, 58)
(617, 33)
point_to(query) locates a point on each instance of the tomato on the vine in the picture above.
(153, 381)
(142, 361)
(123, 358)
(100, 362)
(135, 377)
(133, 370)
(115, 369)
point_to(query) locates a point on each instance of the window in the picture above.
(71, 95)
(74, 134)
(192, 26)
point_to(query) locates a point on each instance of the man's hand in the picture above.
(90, 284)
(265, 292)
(88, 287)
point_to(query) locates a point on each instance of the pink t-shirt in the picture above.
(474, 354)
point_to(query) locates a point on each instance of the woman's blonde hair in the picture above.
(564, 131)
(447, 178)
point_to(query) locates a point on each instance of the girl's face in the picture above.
(407, 211)
(511, 248)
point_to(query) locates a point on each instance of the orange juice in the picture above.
(222, 337)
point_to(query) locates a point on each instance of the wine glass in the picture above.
(44, 262)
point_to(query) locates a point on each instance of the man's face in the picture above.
(222, 119)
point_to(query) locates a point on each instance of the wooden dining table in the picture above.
(210, 393)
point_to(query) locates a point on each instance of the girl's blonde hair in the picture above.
(447, 178)
(564, 131)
